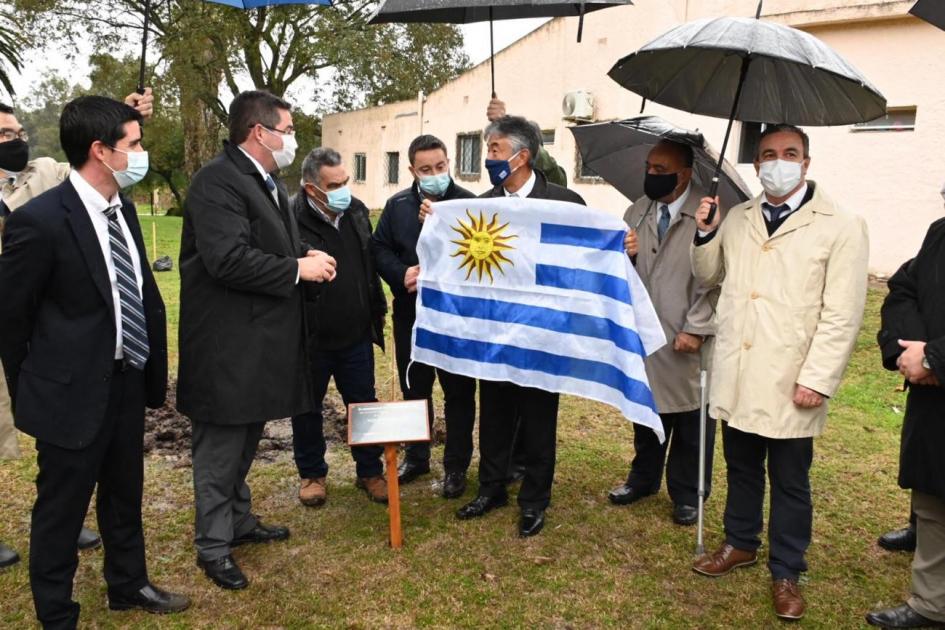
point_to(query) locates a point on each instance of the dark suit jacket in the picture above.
(242, 338)
(57, 322)
(543, 190)
(915, 310)
(308, 228)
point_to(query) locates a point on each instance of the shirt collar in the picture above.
(794, 201)
(6, 177)
(93, 200)
(526, 188)
(333, 222)
(259, 167)
(678, 203)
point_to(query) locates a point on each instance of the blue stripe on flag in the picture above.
(583, 280)
(593, 238)
(535, 316)
(538, 361)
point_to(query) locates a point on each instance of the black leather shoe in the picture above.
(531, 522)
(151, 599)
(479, 506)
(898, 539)
(409, 471)
(901, 617)
(626, 494)
(685, 514)
(8, 557)
(224, 572)
(454, 485)
(516, 473)
(89, 539)
(261, 534)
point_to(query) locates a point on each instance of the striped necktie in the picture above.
(134, 333)
(663, 224)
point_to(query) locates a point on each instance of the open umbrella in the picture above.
(468, 11)
(239, 4)
(752, 70)
(932, 11)
(617, 152)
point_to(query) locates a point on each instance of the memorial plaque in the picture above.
(388, 422)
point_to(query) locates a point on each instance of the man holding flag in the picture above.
(496, 303)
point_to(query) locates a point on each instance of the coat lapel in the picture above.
(85, 236)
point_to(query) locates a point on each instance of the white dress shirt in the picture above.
(333, 222)
(95, 204)
(526, 188)
(793, 202)
(673, 207)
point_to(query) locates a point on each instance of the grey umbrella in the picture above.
(749, 69)
(468, 11)
(932, 11)
(617, 152)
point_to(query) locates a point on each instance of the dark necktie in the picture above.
(663, 224)
(776, 212)
(270, 183)
(134, 333)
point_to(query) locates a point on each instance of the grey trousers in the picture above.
(928, 564)
(222, 456)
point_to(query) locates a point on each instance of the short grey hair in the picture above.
(520, 132)
(315, 160)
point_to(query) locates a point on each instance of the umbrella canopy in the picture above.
(466, 11)
(617, 152)
(786, 75)
(255, 4)
(932, 11)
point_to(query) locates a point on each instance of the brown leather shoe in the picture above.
(312, 492)
(723, 561)
(788, 603)
(376, 488)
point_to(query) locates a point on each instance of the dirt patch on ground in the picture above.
(167, 433)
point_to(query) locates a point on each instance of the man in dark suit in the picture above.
(513, 144)
(84, 350)
(344, 319)
(395, 252)
(242, 343)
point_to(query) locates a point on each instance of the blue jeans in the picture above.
(353, 369)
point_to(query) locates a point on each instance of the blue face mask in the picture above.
(136, 170)
(434, 185)
(338, 200)
(500, 170)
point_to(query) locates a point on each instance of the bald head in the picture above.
(665, 160)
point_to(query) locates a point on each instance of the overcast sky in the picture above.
(476, 38)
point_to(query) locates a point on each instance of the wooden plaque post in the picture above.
(393, 496)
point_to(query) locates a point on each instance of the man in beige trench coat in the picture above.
(793, 270)
(659, 248)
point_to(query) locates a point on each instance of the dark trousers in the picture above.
(500, 405)
(459, 393)
(682, 469)
(115, 462)
(789, 526)
(222, 456)
(353, 370)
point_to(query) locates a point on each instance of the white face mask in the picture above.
(779, 177)
(286, 155)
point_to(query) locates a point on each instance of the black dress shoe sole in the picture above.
(230, 586)
(238, 542)
(532, 532)
(622, 500)
(454, 494)
(412, 476)
(910, 548)
(119, 605)
(495, 504)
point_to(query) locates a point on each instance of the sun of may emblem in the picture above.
(481, 245)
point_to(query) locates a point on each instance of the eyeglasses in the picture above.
(12, 134)
(287, 131)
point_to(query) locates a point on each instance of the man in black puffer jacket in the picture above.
(343, 319)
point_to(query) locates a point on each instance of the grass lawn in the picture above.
(594, 565)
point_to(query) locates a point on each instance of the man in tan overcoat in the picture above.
(663, 226)
(792, 266)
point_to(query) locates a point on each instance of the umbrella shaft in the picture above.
(713, 191)
(144, 45)
(491, 53)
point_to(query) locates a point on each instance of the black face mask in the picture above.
(14, 154)
(658, 186)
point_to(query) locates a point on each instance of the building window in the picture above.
(469, 150)
(360, 167)
(393, 167)
(896, 119)
(547, 136)
(748, 142)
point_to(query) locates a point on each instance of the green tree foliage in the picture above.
(11, 43)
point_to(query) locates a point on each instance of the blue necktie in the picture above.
(270, 183)
(663, 224)
(134, 333)
(776, 212)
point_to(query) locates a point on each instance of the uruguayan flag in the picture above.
(539, 293)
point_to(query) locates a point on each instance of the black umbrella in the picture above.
(468, 11)
(617, 152)
(751, 70)
(932, 11)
